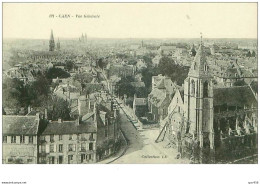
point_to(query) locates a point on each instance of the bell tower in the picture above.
(51, 42)
(198, 100)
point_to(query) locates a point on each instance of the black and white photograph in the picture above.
(129, 83)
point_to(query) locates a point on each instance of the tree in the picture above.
(124, 87)
(253, 54)
(69, 65)
(176, 72)
(147, 74)
(13, 91)
(239, 83)
(248, 54)
(60, 109)
(53, 73)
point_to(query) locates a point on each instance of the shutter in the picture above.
(47, 148)
(74, 147)
(40, 149)
(54, 148)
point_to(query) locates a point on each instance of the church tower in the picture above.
(198, 100)
(58, 44)
(51, 42)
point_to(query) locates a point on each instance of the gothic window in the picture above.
(192, 87)
(205, 67)
(205, 89)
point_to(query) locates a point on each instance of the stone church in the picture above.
(208, 116)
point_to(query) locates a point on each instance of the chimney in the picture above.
(77, 121)
(95, 112)
(37, 116)
(46, 114)
(59, 120)
(68, 90)
(29, 109)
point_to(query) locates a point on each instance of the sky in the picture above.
(130, 20)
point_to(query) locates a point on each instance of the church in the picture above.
(211, 118)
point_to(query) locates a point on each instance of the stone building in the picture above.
(92, 137)
(211, 119)
(68, 142)
(20, 139)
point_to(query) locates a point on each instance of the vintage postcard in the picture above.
(129, 83)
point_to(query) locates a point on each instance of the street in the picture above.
(142, 148)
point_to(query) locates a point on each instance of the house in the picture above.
(20, 138)
(68, 142)
(159, 98)
(93, 136)
(140, 64)
(140, 106)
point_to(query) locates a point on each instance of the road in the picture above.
(142, 149)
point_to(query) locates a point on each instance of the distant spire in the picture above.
(201, 39)
(51, 42)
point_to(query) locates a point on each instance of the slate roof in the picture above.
(234, 96)
(20, 125)
(68, 127)
(161, 84)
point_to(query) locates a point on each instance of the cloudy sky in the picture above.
(131, 20)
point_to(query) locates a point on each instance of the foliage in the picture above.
(176, 72)
(124, 87)
(60, 109)
(239, 83)
(69, 65)
(13, 91)
(147, 74)
(53, 73)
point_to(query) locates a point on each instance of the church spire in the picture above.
(51, 42)
(199, 65)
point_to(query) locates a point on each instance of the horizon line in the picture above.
(204, 38)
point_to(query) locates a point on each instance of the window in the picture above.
(22, 139)
(206, 68)
(83, 146)
(52, 138)
(51, 160)
(177, 100)
(205, 89)
(89, 156)
(29, 160)
(43, 149)
(70, 158)
(60, 137)
(179, 109)
(60, 159)
(72, 147)
(91, 136)
(51, 148)
(91, 146)
(13, 139)
(70, 137)
(60, 148)
(192, 87)
(4, 139)
(30, 139)
(83, 157)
